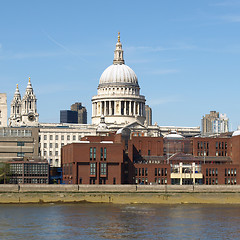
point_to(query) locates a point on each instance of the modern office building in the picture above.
(18, 143)
(214, 123)
(81, 112)
(68, 116)
(29, 171)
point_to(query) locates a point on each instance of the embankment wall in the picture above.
(121, 194)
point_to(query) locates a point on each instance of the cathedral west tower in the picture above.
(118, 99)
(24, 111)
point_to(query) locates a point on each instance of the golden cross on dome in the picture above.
(118, 36)
(17, 85)
(29, 79)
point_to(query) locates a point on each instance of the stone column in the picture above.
(134, 108)
(105, 108)
(125, 108)
(180, 170)
(193, 172)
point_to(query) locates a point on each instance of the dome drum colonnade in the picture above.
(118, 98)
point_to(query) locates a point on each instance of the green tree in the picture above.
(4, 173)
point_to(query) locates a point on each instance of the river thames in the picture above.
(110, 221)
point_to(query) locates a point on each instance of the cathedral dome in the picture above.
(119, 74)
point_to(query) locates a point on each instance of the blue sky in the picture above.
(185, 53)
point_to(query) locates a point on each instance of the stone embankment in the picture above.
(120, 194)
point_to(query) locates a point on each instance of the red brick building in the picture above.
(121, 159)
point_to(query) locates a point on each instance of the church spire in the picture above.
(118, 53)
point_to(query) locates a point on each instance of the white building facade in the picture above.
(3, 110)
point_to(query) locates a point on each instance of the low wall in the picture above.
(118, 188)
(121, 194)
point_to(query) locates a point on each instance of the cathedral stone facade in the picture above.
(118, 98)
(24, 111)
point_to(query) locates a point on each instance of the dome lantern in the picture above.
(118, 53)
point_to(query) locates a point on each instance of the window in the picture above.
(210, 172)
(45, 137)
(155, 171)
(68, 137)
(114, 180)
(146, 171)
(45, 145)
(45, 153)
(103, 167)
(62, 137)
(56, 137)
(142, 171)
(92, 168)
(149, 152)
(56, 153)
(56, 145)
(139, 172)
(50, 153)
(74, 137)
(206, 171)
(62, 144)
(94, 153)
(136, 171)
(20, 154)
(105, 154)
(51, 137)
(20, 144)
(50, 145)
(165, 171)
(216, 172)
(90, 153)
(101, 153)
(159, 171)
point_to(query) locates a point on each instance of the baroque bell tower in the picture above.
(29, 107)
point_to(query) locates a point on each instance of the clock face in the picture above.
(31, 117)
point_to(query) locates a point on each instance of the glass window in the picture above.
(92, 168)
(56, 137)
(146, 171)
(20, 143)
(74, 137)
(68, 137)
(51, 137)
(45, 145)
(105, 154)
(90, 153)
(50, 153)
(94, 153)
(103, 169)
(62, 137)
(101, 153)
(56, 145)
(45, 137)
(50, 145)
(56, 153)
